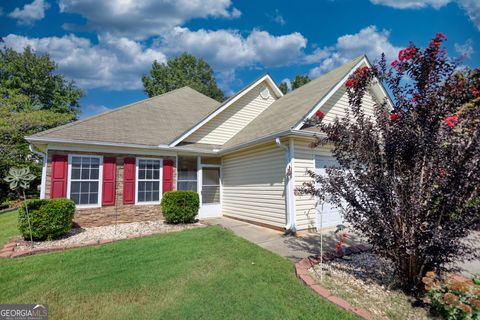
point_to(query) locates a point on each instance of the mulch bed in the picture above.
(360, 282)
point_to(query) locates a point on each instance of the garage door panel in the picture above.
(328, 215)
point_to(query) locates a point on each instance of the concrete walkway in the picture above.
(291, 247)
(297, 247)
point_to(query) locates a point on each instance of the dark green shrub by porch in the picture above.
(50, 218)
(180, 206)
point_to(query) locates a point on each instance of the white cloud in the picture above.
(471, 7)
(369, 41)
(31, 12)
(277, 17)
(412, 4)
(113, 63)
(466, 49)
(317, 55)
(228, 50)
(141, 19)
(288, 82)
(118, 62)
(92, 109)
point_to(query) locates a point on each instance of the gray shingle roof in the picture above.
(161, 119)
(290, 109)
(151, 122)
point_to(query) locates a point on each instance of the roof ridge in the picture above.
(310, 83)
(221, 105)
(355, 62)
(71, 124)
(296, 95)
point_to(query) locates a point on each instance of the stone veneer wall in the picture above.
(119, 213)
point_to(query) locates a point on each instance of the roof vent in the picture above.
(265, 93)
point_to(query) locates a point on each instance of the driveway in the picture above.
(297, 247)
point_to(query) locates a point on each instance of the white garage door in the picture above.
(327, 214)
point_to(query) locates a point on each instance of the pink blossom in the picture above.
(451, 121)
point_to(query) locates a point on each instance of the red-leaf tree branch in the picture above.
(409, 177)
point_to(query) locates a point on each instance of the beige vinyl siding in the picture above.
(305, 156)
(234, 118)
(338, 103)
(304, 160)
(253, 185)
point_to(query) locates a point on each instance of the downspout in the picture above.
(289, 196)
(44, 169)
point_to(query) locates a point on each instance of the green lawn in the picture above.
(205, 273)
(8, 226)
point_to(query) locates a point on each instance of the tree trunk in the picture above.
(412, 269)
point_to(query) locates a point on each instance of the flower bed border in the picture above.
(301, 270)
(8, 250)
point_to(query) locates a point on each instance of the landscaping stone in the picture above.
(367, 284)
(79, 237)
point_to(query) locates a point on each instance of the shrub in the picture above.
(180, 206)
(408, 176)
(50, 218)
(453, 298)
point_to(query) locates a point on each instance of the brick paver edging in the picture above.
(301, 269)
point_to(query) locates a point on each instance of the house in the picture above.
(244, 157)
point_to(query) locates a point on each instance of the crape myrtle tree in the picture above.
(409, 178)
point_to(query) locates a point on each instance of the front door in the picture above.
(210, 191)
(327, 214)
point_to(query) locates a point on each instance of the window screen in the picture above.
(148, 180)
(85, 180)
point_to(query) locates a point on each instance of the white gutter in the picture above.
(116, 144)
(44, 169)
(290, 227)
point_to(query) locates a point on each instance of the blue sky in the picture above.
(106, 46)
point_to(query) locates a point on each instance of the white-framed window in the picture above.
(149, 181)
(84, 185)
(187, 173)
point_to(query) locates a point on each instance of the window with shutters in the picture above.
(84, 180)
(149, 177)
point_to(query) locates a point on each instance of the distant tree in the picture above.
(34, 76)
(33, 98)
(408, 178)
(184, 70)
(283, 87)
(299, 81)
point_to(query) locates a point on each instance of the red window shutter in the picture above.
(167, 176)
(129, 181)
(108, 184)
(59, 176)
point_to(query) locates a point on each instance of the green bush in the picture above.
(180, 206)
(453, 298)
(50, 218)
